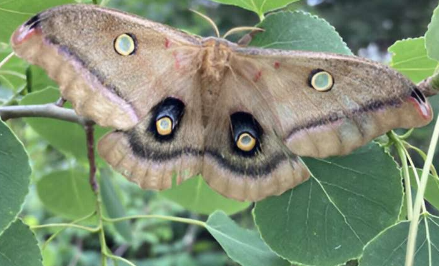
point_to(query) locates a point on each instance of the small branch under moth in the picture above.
(89, 131)
(49, 110)
(60, 102)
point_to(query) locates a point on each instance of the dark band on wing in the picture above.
(371, 106)
(257, 170)
(147, 151)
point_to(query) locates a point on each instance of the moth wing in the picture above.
(150, 159)
(366, 99)
(269, 169)
(113, 82)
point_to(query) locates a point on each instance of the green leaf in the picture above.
(18, 246)
(195, 195)
(410, 58)
(431, 191)
(14, 176)
(67, 137)
(241, 245)
(329, 219)
(67, 193)
(258, 6)
(14, 13)
(299, 31)
(113, 206)
(432, 36)
(389, 247)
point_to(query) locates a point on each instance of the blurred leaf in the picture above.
(258, 6)
(241, 245)
(432, 189)
(14, 176)
(410, 58)
(432, 36)
(49, 256)
(113, 204)
(67, 193)
(299, 31)
(195, 195)
(16, 12)
(178, 259)
(389, 247)
(12, 77)
(65, 136)
(19, 247)
(328, 219)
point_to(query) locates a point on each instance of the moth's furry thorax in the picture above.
(215, 57)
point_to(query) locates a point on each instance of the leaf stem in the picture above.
(411, 242)
(415, 173)
(402, 156)
(423, 155)
(114, 257)
(6, 59)
(153, 216)
(86, 228)
(54, 235)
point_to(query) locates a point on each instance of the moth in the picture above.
(184, 105)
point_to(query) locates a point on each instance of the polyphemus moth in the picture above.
(184, 105)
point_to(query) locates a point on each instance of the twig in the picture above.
(60, 102)
(91, 155)
(85, 228)
(6, 59)
(49, 110)
(430, 86)
(154, 216)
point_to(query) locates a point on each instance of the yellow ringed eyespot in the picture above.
(321, 80)
(246, 142)
(125, 44)
(164, 126)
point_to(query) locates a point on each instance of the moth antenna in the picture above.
(239, 29)
(214, 26)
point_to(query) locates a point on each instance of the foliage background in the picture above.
(372, 27)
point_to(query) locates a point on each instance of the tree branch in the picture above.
(91, 156)
(44, 110)
(430, 86)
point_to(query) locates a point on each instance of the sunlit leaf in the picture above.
(299, 31)
(410, 58)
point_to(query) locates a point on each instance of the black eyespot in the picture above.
(417, 94)
(246, 133)
(33, 21)
(165, 118)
